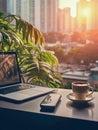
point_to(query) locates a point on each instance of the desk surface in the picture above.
(65, 109)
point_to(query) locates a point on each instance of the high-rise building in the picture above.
(73, 24)
(11, 6)
(61, 20)
(64, 20)
(43, 16)
(81, 17)
(52, 11)
(24, 9)
(41, 13)
(3, 6)
(92, 23)
(18, 7)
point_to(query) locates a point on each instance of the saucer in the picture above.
(71, 97)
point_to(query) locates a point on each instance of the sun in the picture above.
(86, 11)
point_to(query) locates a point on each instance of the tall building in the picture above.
(73, 24)
(52, 12)
(3, 6)
(93, 15)
(18, 7)
(61, 20)
(67, 20)
(43, 16)
(81, 17)
(41, 13)
(24, 9)
(64, 20)
(11, 6)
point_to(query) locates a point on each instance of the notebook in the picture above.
(11, 87)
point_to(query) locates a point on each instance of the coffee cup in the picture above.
(81, 90)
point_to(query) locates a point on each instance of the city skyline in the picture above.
(71, 4)
(50, 16)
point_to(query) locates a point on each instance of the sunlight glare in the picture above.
(86, 11)
(69, 3)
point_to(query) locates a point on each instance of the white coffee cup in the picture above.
(81, 90)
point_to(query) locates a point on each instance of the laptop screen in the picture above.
(9, 70)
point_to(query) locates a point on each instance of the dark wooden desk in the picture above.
(28, 116)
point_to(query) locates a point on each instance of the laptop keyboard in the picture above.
(14, 88)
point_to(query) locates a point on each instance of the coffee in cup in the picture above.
(81, 90)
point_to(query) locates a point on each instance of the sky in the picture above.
(69, 3)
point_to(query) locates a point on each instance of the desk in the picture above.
(28, 116)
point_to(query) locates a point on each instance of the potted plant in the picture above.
(36, 63)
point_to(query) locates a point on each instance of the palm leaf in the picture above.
(36, 65)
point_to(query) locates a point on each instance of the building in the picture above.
(52, 13)
(94, 75)
(64, 20)
(73, 24)
(11, 6)
(93, 15)
(82, 75)
(75, 76)
(41, 13)
(3, 6)
(81, 17)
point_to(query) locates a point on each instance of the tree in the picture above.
(93, 36)
(59, 53)
(87, 53)
(78, 37)
(36, 63)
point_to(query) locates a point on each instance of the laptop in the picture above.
(11, 87)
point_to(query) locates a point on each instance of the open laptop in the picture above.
(11, 87)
